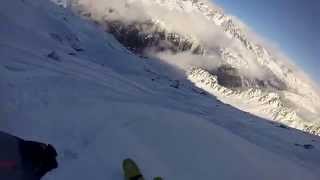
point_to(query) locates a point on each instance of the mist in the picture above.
(186, 60)
(194, 26)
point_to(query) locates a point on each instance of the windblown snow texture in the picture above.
(67, 82)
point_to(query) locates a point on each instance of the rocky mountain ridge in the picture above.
(154, 34)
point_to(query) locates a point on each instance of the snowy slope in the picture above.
(66, 82)
(198, 34)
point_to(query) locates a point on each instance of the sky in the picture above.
(293, 25)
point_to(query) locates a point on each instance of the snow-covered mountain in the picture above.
(175, 30)
(66, 81)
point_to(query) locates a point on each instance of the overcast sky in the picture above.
(294, 25)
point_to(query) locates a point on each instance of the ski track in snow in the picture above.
(99, 108)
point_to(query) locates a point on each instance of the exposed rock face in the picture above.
(245, 69)
(271, 103)
(230, 77)
(141, 36)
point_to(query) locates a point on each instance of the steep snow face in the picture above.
(66, 82)
(263, 104)
(194, 33)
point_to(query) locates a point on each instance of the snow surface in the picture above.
(272, 87)
(98, 104)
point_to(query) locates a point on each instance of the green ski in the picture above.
(131, 170)
(158, 178)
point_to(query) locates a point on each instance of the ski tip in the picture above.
(131, 169)
(128, 160)
(158, 178)
(129, 163)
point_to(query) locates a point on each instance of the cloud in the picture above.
(187, 60)
(194, 25)
(102, 10)
(129, 11)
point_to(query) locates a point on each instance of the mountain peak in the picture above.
(170, 89)
(207, 38)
